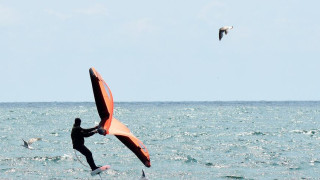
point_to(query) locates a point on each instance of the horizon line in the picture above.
(187, 101)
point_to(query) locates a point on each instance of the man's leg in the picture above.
(86, 152)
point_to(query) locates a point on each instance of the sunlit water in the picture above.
(186, 140)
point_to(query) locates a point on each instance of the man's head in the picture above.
(77, 122)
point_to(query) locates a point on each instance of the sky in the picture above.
(160, 50)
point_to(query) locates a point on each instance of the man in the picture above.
(77, 136)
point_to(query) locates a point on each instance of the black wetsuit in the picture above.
(77, 136)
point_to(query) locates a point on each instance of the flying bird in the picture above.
(27, 144)
(222, 30)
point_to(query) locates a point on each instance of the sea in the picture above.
(186, 140)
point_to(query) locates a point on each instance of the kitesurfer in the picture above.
(77, 136)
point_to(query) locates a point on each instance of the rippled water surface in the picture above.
(186, 140)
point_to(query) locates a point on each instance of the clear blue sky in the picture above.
(160, 50)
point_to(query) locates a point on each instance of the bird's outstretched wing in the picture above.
(220, 34)
(32, 140)
(25, 143)
(143, 177)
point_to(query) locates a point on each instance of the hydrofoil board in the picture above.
(99, 170)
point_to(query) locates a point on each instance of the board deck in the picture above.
(99, 170)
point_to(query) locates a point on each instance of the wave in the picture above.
(233, 177)
(307, 132)
(41, 159)
(190, 160)
(252, 133)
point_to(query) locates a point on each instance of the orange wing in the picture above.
(103, 98)
(133, 143)
(110, 125)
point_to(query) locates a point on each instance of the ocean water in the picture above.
(186, 140)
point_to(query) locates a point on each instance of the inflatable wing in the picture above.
(104, 100)
(110, 125)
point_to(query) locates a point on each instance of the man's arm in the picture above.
(90, 129)
(88, 134)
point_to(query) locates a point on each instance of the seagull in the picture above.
(143, 177)
(27, 144)
(222, 30)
